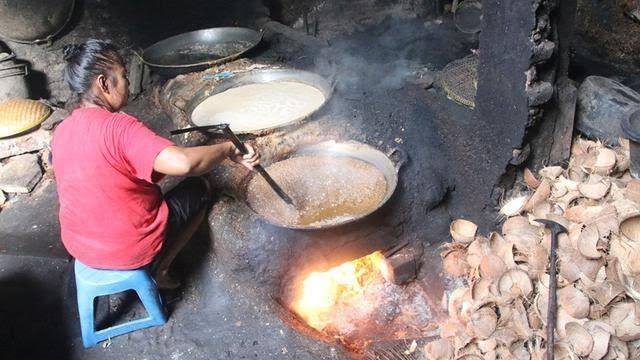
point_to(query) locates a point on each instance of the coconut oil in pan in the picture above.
(326, 190)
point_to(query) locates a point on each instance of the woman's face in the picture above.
(117, 94)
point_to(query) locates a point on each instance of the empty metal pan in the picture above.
(198, 50)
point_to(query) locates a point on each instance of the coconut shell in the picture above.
(573, 301)
(575, 173)
(572, 264)
(573, 232)
(492, 267)
(632, 191)
(530, 179)
(634, 349)
(568, 199)
(605, 161)
(588, 242)
(459, 300)
(519, 320)
(487, 345)
(551, 172)
(454, 263)
(482, 289)
(563, 318)
(563, 351)
(505, 336)
(618, 350)
(622, 315)
(503, 249)
(626, 209)
(631, 228)
(477, 250)
(440, 349)
(482, 323)
(470, 357)
(519, 231)
(535, 322)
(597, 311)
(515, 283)
(463, 231)
(581, 146)
(604, 217)
(517, 350)
(605, 292)
(514, 206)
(541, 194)
(538, 260)
(558, 190)
(541, 210)
(541, 303)
(579, 338)
(596, 187)
(622, 161)
(627, 254)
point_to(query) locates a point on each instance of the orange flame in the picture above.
(322, 291)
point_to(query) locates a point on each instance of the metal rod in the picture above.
(243, 149)
(552, 305)
(230, 135)
(195, 128)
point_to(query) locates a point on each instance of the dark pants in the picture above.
(184, 202)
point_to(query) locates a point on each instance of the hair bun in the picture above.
(69, 51)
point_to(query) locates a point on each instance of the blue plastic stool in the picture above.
(91, 283)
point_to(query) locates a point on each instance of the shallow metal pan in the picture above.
(200, 49)
(263, 76)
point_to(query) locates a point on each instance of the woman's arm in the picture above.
(197, 160)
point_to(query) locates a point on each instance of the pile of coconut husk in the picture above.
(501, 312)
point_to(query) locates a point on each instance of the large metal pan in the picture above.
(34, 21)
(387, 164)
(262, 76)
(198, 50)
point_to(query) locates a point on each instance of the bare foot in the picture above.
(166, 281)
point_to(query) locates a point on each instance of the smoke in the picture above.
(357, 72)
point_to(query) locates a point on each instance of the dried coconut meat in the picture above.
(259, 106)
(326, 190)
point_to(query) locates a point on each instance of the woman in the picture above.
(107, 165)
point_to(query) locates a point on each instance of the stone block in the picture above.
(402, 266)
(20, 174)
(33, 141)
(602, 105)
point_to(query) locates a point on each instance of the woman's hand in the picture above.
(251, 159)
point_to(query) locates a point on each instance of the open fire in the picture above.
(354, 303)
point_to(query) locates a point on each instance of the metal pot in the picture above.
(382, 162)
(13, 83)
(198, 50)
(261, 76)
(34, 21)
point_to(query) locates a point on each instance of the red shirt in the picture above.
(112, 215)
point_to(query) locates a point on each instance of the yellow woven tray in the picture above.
(20, 115)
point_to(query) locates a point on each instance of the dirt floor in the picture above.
(226, 309)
